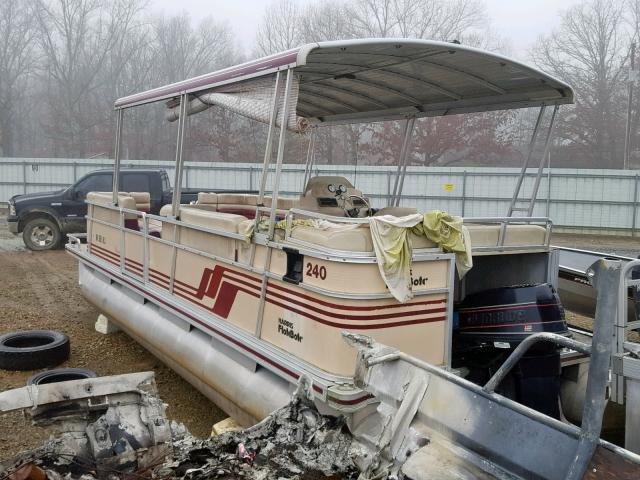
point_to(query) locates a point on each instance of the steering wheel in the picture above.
(347, 205)
(354, 211)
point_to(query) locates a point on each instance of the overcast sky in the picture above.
(520, 21)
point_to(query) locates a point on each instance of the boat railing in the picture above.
(626, 356)
(145, 234)
(504, 222)
(501, 222)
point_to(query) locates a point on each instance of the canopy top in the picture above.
(378, 79)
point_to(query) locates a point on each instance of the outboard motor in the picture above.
(491, 323)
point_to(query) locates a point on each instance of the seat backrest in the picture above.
(143, 201)
(207, 198)
(237, 199)
(209, 242)
(105, 198)
(284, 203)
(396, 211)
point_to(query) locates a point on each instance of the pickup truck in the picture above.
(44, 218)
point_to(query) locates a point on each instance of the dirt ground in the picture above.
(40, 290)
(625, 246)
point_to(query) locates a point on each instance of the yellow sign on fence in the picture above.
(448, 187)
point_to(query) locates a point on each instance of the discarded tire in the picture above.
(32, 349)
(60, 375)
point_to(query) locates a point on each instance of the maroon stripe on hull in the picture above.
(208, 288)
(282, 368)
(214, 286)
(236, 342)
(356, 307)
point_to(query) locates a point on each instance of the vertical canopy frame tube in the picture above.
(404, 157)
(399, 167)
(274, 196)
(268, 151)
(311, 156)
(523, 170)
(547, 144)
(177, 186)
(116, 156)
(280, 154)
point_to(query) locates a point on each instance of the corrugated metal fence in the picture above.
(591, 201)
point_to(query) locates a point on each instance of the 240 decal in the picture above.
(313, 270)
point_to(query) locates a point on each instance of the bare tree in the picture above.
(183, 51)
(434, 19)
(321, 21)
(280, 28)
(77, 38)
(589, 50)
(17, 62)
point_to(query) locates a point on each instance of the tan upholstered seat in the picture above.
(215, 220)
(237, 199)
(396, 211)
(143, 200)
(488, 235)
(106, 198)
(238, 203)
(209, 242)
(356, 240)
(284, 203)
(353, 240)
(207, 198)
(165, 210)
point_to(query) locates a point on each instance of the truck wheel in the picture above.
(32, 349)
(41, 234)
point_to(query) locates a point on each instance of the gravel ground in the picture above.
(625, 246)
(39, 290)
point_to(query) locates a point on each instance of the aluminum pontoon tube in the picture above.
(244, 392)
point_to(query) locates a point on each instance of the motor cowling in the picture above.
(491, 323)
(508, 315)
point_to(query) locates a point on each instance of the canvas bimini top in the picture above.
(350, 81)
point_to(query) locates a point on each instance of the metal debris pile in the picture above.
(113, 428)
(294, 442)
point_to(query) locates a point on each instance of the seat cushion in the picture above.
(284, 203)
(354, 240)
(207, 198)
(237, 199)
(488, 235)
(142, 199)
(396, 211)
(215, 220)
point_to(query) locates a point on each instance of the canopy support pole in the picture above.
(523, 171)
(269, 147)
(274, 198)
(268, 151)
(392, 200)
(402, 161)
(177, 186)
(311, 156)
(116, 155)
(280, 154)
(547, 144)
